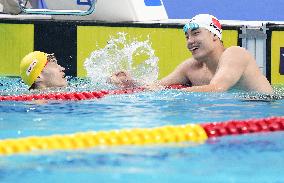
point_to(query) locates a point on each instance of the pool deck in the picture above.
(168, 21)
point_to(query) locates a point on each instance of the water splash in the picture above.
(122, 53)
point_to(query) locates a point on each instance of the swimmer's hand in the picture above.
(154, 86)
(122, 79)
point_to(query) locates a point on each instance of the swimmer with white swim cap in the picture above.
(212, 67)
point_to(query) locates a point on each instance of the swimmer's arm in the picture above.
(203, 88)
(231, 67)
(178, 76)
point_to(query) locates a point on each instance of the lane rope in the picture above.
(196, 133)
(86, 95)
(237, 127)
(147, 136)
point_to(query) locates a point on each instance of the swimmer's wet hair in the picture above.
(51, 58)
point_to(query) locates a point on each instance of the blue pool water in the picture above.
(253, 158)
(246, 158)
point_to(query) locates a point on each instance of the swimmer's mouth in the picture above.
(63, 75)
(194, 48)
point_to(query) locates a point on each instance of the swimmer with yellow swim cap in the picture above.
(40, 70)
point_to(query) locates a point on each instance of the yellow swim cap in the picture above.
(32, 65)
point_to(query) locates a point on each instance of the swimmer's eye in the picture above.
(195, 33)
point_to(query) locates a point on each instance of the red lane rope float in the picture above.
(196, 133)
(76, 95)
(237, 127)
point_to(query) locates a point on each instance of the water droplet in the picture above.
(123, 53)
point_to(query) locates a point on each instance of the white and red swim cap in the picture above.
(206, 21)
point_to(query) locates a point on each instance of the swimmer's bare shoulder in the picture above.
(236, 50)
(192, 68)
(235, 53)
(240, 63)
(180, 74)
(189, 65)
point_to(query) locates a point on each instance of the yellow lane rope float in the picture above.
(196, 133)
(160, 135)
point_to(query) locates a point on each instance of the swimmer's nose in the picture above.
(190, 40)
(61, 68)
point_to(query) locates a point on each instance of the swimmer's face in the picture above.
(52, 75)
(199, 42)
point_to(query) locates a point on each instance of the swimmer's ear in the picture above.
(39, 78)
(37, 84)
